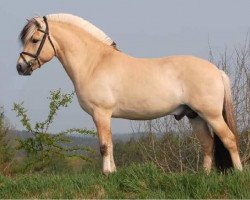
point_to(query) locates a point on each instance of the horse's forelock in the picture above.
(29, 29)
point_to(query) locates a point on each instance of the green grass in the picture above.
(136, 181)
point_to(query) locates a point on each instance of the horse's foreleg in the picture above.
(202, 131)
(102, 121)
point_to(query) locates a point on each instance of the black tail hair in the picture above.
(222, 158)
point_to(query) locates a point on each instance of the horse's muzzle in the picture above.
(23, 69)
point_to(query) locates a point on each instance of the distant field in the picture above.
(136, 181)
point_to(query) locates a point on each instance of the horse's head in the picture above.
(38, 46)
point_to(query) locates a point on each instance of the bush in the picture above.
(43, 148)
(170, 152)
(7, 152)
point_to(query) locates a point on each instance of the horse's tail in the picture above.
(222, 157)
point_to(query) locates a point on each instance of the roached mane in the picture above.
(36, 22)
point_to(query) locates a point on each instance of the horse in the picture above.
(111, 84)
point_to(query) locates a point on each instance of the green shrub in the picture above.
(43, 148)
(7, 152)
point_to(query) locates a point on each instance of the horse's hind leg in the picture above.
(102, 120)
(228, 139)
(203, 133)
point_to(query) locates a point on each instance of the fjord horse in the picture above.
(109, 83)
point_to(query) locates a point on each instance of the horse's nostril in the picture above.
(19, 68)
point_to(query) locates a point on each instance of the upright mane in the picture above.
(35, 23)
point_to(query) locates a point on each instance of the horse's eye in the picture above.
(34, 41)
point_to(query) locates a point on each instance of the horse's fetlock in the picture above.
(104, 150)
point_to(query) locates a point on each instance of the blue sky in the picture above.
(141, 28)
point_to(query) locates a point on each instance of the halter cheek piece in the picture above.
(36, 56)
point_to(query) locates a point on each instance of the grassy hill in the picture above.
(136, 181)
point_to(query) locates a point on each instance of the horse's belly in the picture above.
(145, 114)
(145, 110)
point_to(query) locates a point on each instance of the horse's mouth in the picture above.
(27, 73)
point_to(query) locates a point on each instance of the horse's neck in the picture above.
(77, 52)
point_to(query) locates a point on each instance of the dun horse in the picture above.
(109, 83)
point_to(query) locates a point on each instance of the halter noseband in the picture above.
(36, 56)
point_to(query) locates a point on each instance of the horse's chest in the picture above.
(85, 102)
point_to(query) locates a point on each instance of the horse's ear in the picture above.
(38, 25)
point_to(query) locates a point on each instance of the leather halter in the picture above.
(36, 56)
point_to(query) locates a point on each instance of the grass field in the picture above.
(136, 181)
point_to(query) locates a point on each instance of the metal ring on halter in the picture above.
(36, 56)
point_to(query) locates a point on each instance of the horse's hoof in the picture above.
(107, 173)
